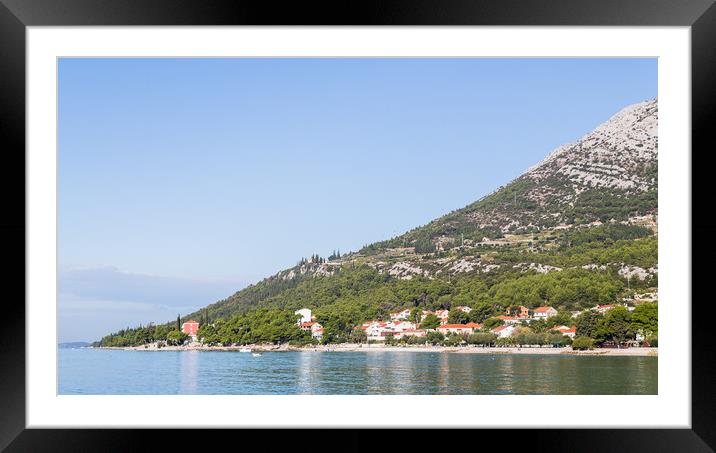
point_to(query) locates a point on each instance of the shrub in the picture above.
(582, 343)
(417, 340)
(506, 341)
(435, 337)
(482, 338)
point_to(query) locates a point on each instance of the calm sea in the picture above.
(96, 371)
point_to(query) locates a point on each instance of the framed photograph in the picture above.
(409, 216)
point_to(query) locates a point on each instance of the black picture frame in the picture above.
(16, 15)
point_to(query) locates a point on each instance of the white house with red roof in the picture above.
(604, 308)
(400, 326)
(317, 331)
(190, 328)
(510, 319)
(461, 329)
(443, 315)
(503, 331)
(564, 330)
(522, 312)
(543, 312)
(412, 333)
(307, 322)
(377, 330)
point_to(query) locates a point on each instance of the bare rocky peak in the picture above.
(613, 155)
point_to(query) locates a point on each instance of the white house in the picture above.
(604, 308)
(412, 333)
(405, 314)
(443, 315)
(400, 326)
(510, 319)
(375, 330)
(503, 331)
(564, 330)
(305, 315)
(317, 331)
(458, 328)
(543, 312)
(464, 309)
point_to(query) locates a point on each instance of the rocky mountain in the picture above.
(609, 174)
(587, 212)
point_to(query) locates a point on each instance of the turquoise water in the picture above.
(97, 371)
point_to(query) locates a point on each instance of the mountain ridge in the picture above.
(577, 228)
(566, 174)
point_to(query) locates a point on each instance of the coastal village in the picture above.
(400, 326)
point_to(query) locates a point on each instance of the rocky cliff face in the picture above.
(610, 173)
(616, 155)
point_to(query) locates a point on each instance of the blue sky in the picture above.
(183, 180)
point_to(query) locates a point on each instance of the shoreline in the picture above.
(351, 347)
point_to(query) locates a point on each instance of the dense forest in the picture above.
(355, 293)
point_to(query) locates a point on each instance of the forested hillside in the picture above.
(576, 230)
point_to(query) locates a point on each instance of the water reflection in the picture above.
(351, 373)
(189, 366)
(306, 367)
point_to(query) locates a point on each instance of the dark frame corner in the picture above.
(16, 15)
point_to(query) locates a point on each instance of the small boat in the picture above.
(244, 350)
(256, 354)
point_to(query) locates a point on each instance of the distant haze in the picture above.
(184, 180)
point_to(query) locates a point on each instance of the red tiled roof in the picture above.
(473, 325)
(499, 328)
(454, 326)
(564, 329)
(307, 324)
(542, 309)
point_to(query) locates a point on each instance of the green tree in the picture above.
(615, 327)
(586, 323)
(358, 336)
(491, 323)
(482, 338)
(435, 337)
(176, 337)
(563, 318)
(644, 320)
(431, 321)
(582, 343)
(456, 316)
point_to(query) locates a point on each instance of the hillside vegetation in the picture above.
(576, 230)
